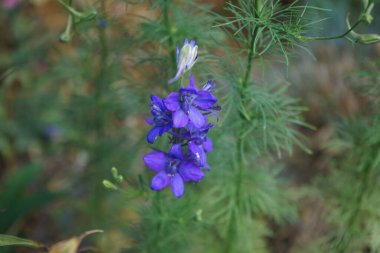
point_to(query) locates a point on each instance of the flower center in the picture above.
(172, 166)
(187, 98)
(161, 117)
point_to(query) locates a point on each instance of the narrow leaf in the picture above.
(9, 240)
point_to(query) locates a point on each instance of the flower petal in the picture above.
(196, 117)
(156, 100)
(180, 119)
(205, 99)
(172, 101)
(177, 185)
(191, 172)
(209, 86)
(155, 160)
(207, 145)
(149, 121)
(152, 134)
(177, 75)
(160, 181)
(176, 151)
(165, 128)
(192, 85)
(198, 152)
(178, 52)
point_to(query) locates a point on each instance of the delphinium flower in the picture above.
(162, 119)
(188, 103)
(186, 58)
(198, 143)
(183, 115)
(172, 169)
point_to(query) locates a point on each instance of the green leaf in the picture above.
(9, 240)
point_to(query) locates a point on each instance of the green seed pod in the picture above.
(109, 185)
(365, 39)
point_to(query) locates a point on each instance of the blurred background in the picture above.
(71, 111)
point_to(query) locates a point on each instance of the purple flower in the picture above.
(199, 136)
(197, 155)
(172, 169)
(52, 132)
(162, 119)
(103, 23)
(188, 104)
(186, 58)
(192, 133)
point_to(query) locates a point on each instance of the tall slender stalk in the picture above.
(239, 165)
(101, 77)
(100, 81)
(172, 53)
(158, 205)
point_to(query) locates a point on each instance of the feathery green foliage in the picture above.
(98, 98)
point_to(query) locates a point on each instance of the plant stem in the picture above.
(350, 29)
(232, 230)
(334, 37)
(172, 53)
(157, 202)
(99, 115)
(251, 54)
(101, 77)
(239, 165)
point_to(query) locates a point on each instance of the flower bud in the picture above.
(109, 185)
(186, 58)
(365, 39)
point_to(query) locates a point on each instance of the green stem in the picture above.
(350, 29)
(99, 114)
(81, 15)
(251, 54)
(233, 235)
(334, 37)
(232, 231)
(101, 77)
(172, 52)
(157, 203)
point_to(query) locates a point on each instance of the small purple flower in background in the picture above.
(186, 58)
(162, 119)
(52, 132)
(10, 4)
(188, 103)
(172, 169)
(103, 23)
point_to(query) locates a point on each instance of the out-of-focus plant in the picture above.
(351, 188)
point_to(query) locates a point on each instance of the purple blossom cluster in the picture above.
(183, 115)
